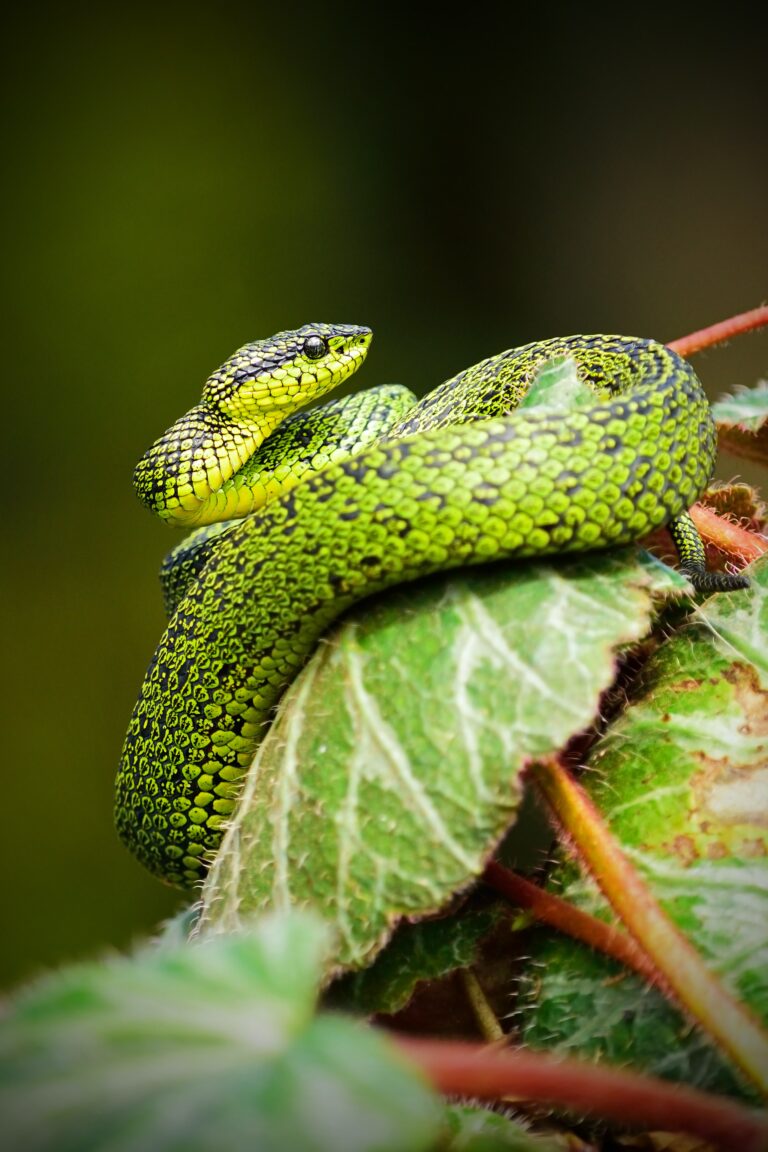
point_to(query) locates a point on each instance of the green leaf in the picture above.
(576, 1003)
(393, 767)
(682, 778)
(744, 408)
(742, 422)
(557, 385)
(417, 952)
(470, 1128)
(206, 1048)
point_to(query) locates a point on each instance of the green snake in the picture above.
(340, 501)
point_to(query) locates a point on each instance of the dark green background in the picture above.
(179, 181)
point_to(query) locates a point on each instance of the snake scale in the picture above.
(340, 501)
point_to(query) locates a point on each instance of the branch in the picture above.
(489, 1026)
(460, 1068)
(567, 918)
(728, 536)
(719, 333)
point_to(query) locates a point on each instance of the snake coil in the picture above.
(344, 500)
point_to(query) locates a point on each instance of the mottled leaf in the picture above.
(393, 767)
(742, 422)
(202, 1048)
(682, 778)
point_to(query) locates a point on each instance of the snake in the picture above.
(300, 512)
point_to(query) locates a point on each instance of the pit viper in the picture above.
(333, 503)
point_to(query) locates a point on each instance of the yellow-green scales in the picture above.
(361, 494)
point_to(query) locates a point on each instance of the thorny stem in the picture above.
(567, 918)
(696, 988)
(728, 536)
(719, 333)
(461, 1068)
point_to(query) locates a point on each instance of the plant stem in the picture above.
(729, 537)
(457, 1067)
(567, 918)
(719, 333)
(490, 1029)
(696, 988)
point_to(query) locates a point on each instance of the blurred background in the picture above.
(180, 180)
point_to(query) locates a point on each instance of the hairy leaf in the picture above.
(740, 501)
(428, 950)
(393, 767)
(742, 422)
(470, 1128)
(202, 1048)
(682, 778)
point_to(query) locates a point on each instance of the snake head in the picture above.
(266, 380)
(182, 475)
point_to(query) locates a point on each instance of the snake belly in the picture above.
(461, 479)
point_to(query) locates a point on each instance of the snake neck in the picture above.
(184, 477)
(188, 476)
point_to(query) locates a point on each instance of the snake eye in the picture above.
(315, 347)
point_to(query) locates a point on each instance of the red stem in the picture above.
(567, 918)
(460, 1068)
(719, 333)
(729, 537)
(732, 1024)
(465, 1069)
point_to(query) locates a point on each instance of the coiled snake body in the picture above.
(345, 500)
